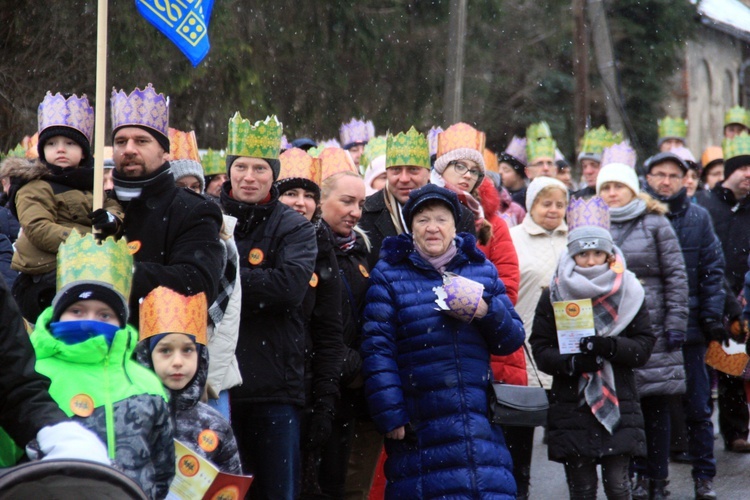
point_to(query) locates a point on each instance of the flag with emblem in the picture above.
(185, 22)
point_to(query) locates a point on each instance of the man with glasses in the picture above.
(704, 263)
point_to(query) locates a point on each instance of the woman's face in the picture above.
(510, 177)
(342, 208)
(434, 229)
(378, 182)
(463, 174)
(591, 258)
(715, 174)
(616, 194)
(548, 209)
(300, 200)
(690, 181)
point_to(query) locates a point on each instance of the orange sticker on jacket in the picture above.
(314, 280)
(255, 257)
(82, 405)
(208, 440)
(617, 266)
(363, 270)
(188, 465)
(134, 246)
(572, 310)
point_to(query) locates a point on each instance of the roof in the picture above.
(730, 16)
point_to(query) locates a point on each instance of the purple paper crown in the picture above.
(144, 108)
(619, 153)
(587, 212)
(285, 143)
(330, 143)
(356, 131)
(683, 153)
(432, 139)
(517, 149)
(74, 112)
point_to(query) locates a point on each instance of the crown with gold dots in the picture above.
(183, 145)
(739, 115)
(74, 112)
(376, 147)
(333, 161)
(214, 162)
(595, 140)
(356, 131)
(143, 108)
(672, 128)
(297, 164)
(407, 149)
(739, 145)
(587, 212)
(262, 140)
(165, 311)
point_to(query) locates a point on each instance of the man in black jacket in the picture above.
(277, 251)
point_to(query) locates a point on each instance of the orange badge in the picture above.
(230, 492)
(573, 310)
(255, 257)
(208, 440)
(314, 280)
(188, 465)
(617, 266)
(363, 270)
(82, 405)
(134, 246)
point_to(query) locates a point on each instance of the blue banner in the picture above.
(185, 22)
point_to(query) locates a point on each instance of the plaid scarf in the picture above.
(228, 279)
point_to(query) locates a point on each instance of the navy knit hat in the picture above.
(274, 163)
(70, 133)
(90, 291)
(514, 162)
(431, 192)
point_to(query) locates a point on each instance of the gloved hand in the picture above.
(318, 431)
(714, 330)
(598, 346)
(104, 222)
(675, 339)
(70, 440)
(584, 363)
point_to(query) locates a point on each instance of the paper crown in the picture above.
(297, 164)
(165, 311)
(540, 148)
(285, 144)
(74, 112)
(333, 161)
(432, 139)
(356, 131)
(214, 162)
(18, 152)
(683, 153)
(30, 142)
(460, 136)
(490, 161)
(596, 139)
(80, 259)
(738, 115)
(183, 145)
(459, 297)
(739, 145)
(587, 212)
(619, 153)
(407, 149)
(517, 149)
(672, 128)
(329, 143)
(262, 140)
(711, 154)
(539, 130)
(144, 108)
(373, 149)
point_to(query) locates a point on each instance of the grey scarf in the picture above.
(629, 212)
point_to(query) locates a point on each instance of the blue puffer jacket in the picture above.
(428, 370)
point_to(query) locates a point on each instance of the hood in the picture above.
(398, 248)
(489, 197)
(23, 169)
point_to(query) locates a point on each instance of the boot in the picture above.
(704, 489)
(658, 489)
(641, 488)
(522, 477)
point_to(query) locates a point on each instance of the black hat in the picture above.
(274, 163)
(71, 134)
(514, 162)
(431, 192)
(665, 156)
(304, 143)
(89, 291)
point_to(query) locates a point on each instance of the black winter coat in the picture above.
(572, 429)
(277, 251)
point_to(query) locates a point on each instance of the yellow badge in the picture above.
(134, 246)
(208, 440)
(82, 405)
(255, 257)
(230, 492)
(617, 266)
(363, 270)
(314, 280)
(188, 465)
(573, 309)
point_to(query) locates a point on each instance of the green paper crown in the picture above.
(542, 148)
(407, 149)
(672, 128)
(18, 152)
(596, 139)
(315, 152)
(82, 260)
(539, 130)
(739, 115)
(739, 145)
(376, 147)
(262, 140)
(214, 162)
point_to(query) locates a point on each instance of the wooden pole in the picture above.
(101, 103)
(454, 68)
(605, 61)
(580, 69)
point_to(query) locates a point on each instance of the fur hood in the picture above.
(22, 169)
(489, 197)
(653, 206)
(398, 248)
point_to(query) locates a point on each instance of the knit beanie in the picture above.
(296, 183)
(667, 156)
(442, 161)
(274, 163)
(70, 133)
(89, 291)
(430, 192)
(536, 186)
(585, 238)
(514, 162)
(618, 172)
(162, 139)
(376, 167)
(183, 168)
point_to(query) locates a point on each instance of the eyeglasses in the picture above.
(543, 163)
(462, 168)
(660, 176)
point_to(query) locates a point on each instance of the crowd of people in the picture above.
(328, 317)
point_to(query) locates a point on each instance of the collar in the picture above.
(158, 182)
(678, 203)
(248, 215)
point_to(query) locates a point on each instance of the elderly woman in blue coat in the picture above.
(434, 313)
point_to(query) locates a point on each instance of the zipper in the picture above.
(109, 412)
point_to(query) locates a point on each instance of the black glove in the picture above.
(599, 346)
(584, 363)
(714, 330)
(104, 222)
(318, 431)
(675, 339)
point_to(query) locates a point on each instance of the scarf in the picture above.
(441, 261)
(464, 197)
(616, 298)
(629, 212)
(228, 279)
(80, 178)
(130, 188)
(345, 243)
(395, 210)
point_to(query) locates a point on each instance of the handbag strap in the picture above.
(533, 364)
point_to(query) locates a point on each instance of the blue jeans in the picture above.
(700, 429)
(268, 436)
(656, 417)
(222, 405)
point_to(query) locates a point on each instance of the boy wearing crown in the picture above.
(55, 197)
(277, 252)
(84, 345)
(173, 233)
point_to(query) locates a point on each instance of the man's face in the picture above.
(136, 153)
(739, 181)
(541, 167)
(734, 129)
(356, 153)
(251, 179)
(670, 144)
(590, 170)
(402, 180)
(665, 178)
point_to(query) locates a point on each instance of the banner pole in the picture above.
(101, 103)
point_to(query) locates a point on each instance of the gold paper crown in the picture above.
(738, 115)
(539, 130)
(143, 108)
(333, 161)
(214, 162)
(165, 311)
(373, 149)
(297, 164)
(74, 112)
(30, 144)
(407, 149)
(541, 148)
(262, 140)
(739, 145)
(460, 136)
(183, 145)
(82, 260)
(672, 128)
(490, 161)
(596, 139)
